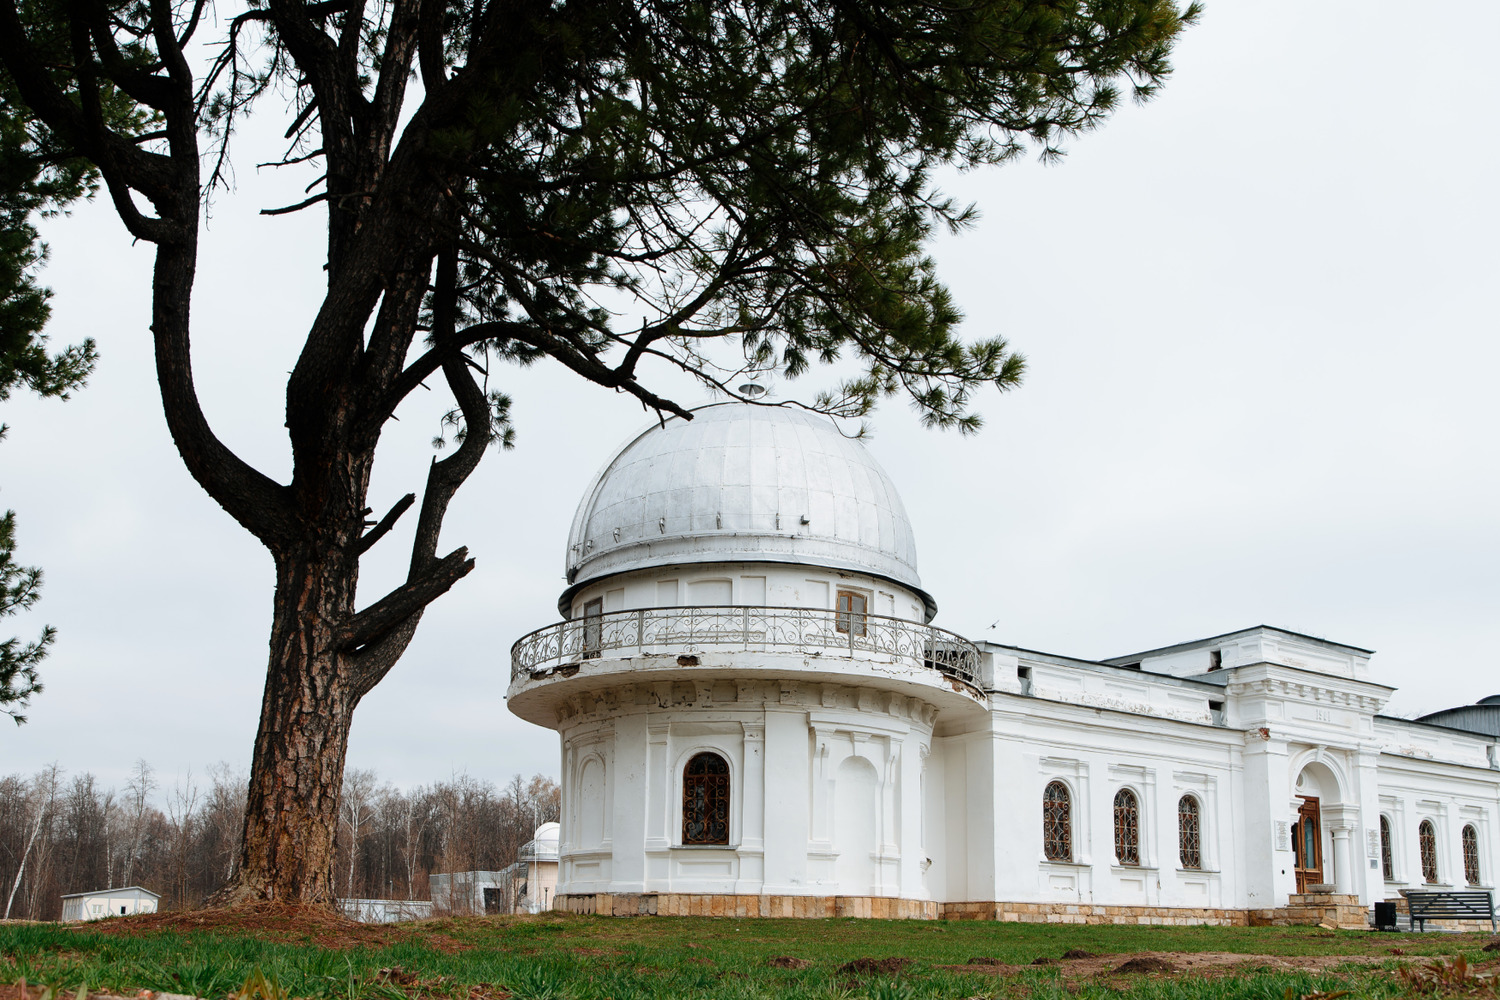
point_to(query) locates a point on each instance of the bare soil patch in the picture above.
(787, 962)
(280, 922)
(1170, 962)
(1146, 963)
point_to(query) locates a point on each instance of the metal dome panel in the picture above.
(742, 483)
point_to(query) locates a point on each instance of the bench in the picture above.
(1424, 906)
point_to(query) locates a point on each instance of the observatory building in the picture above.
(757, 717)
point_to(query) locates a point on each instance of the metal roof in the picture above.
(1482, 718)
(114, 892)
(742, 483)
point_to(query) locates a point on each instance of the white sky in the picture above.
(1261, 319)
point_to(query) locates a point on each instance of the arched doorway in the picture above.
(1317, 788)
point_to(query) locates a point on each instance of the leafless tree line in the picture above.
(62, 834)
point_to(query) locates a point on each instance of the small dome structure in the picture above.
(548, 833)
(742, 483)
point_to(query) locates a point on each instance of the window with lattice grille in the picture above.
(1189, 833)
(1387, 864)
(1471, 855)
(1057, 822)
(1127, 828)
(1427, 841)
(705, 800)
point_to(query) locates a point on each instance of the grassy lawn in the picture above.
(594, 958)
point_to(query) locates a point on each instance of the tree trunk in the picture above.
(292, 812)
(36, 829)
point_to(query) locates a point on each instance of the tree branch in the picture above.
(386, 523)
(405, 601)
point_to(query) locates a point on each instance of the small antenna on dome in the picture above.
(751, 390)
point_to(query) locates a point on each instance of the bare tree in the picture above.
(223, 816)
(139, 788)
(43, 800)
(182, 807)
(355, 811)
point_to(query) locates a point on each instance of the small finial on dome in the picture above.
(750, 390)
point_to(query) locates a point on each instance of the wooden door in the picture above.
(1307, 844)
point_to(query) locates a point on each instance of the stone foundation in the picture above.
(1327, 909)
(1334, 910)
(682, 904)
(1086, 913)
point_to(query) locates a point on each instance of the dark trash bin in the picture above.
(1385, 916)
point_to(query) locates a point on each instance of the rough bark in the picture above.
(291, 818)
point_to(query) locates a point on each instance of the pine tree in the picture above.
(20, 586)
(39, 176)
(749, 184)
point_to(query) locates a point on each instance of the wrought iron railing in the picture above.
(538, 850)
(688, 630)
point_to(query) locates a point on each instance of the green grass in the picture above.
(556, 957)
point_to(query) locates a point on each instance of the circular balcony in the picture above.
(812, 631)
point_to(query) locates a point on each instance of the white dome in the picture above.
(548, 833)
(742, 483)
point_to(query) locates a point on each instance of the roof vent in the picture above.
(750, 390)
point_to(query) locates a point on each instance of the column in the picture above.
(753, 810)
(1341, 872)
(1269, 809)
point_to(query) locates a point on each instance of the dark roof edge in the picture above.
(1489, 737)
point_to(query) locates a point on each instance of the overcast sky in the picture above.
(1260, 314)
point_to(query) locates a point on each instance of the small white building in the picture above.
(528, 886)
(537, 862)
(468, 893)
(756, 717)
(108, 903)
(386, 911)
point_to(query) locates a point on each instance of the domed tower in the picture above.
(745, 682)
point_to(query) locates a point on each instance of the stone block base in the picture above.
(1329, 909)
(1086, 913)
(682, 904)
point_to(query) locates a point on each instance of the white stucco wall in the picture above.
(791, 750)
(108, 903)
(756, 584)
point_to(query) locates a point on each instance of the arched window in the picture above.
(705, 800)
(1427, 839)
(1387, 866)
(1057, 822)
(1127, 828)
(1189, 837)
(1471, 855)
